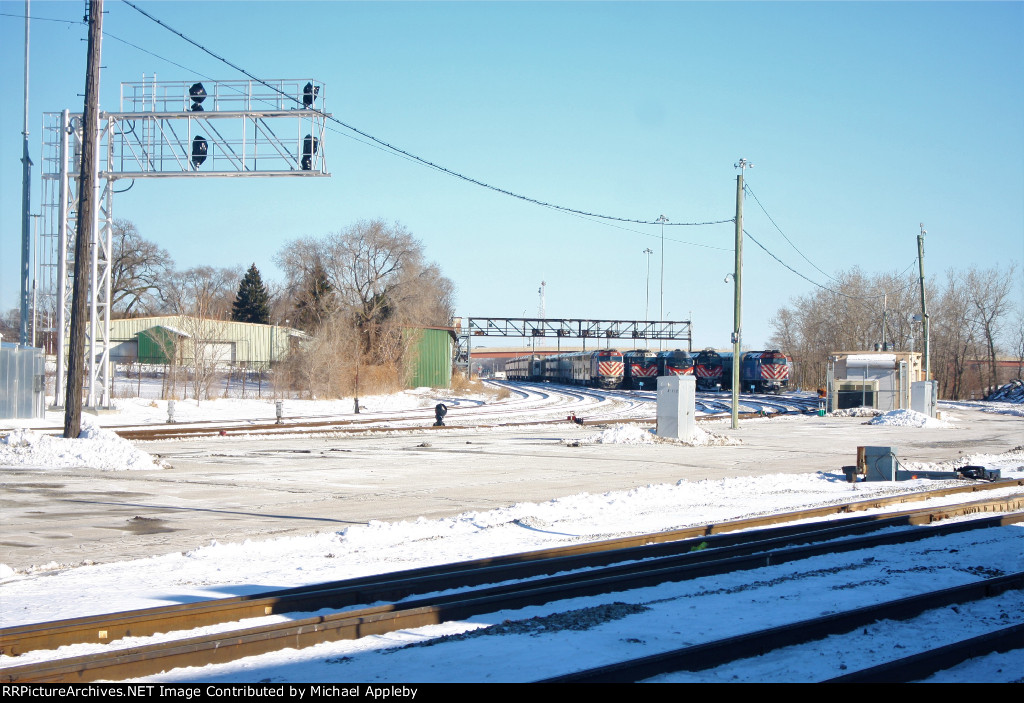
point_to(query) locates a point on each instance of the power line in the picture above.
(41, 19)
(827, 275)
(410, 155)
(824, 287)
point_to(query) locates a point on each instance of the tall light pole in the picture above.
(662, 219)
(661, 316)
(26, 207)
(924, 304)
(742, 165)
(647, 305)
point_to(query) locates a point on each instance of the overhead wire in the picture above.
(770, 219)
(414, 157)
(824, 287)
(382, 146)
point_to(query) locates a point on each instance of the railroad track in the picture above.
(541, 404)
(593, 407)
(725, 651)
(497, 584)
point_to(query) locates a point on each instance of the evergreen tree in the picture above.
(252, 303)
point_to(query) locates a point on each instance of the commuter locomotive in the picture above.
(760, 371)
(707, 369)
(675, 363)
(640, 368)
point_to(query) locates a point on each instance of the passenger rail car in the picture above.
(524, 368)
(601, 369)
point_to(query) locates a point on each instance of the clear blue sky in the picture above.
(862, 120)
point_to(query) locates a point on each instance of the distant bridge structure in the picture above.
(544, 329)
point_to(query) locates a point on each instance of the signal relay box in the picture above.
(877, 463)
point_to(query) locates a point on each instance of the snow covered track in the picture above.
(734, 649)
(666, 561)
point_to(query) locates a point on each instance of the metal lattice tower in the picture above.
(164, 129)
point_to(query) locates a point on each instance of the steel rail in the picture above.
(222, 647)
(352, 425)
(713, 654)
(329, 427)
(924, 664)
(105, 628)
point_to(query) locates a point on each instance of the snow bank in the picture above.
(856, 412)
(95, 448)
(1012, 392)
(624, 434)
(634, 434)
(907, 418)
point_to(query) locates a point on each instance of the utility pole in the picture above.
(737, 279)
(924, 304)
(647, 305)
(885, 306)
(661, 315)
(26, 206)
(87, 204)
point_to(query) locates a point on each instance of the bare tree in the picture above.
(10, 324)
(954, 336)
(364, 288)
(989, 292)
(203, 291)
(856, 312)
(140, 270)
(1018, 341)
(202, 296)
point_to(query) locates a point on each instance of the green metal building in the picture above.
(431, 352)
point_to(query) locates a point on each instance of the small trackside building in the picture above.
(872, 379)
(430, 356)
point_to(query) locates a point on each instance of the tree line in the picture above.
(975, 317)
(359, 295)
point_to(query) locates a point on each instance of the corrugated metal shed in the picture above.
(249, 343)
(431, 356)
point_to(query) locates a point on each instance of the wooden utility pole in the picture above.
(86, 224)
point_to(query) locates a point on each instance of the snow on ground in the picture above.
(856, 412)
(1012, 392)
(1004, 408)
(634, 434)
(95, 448)
(625, 434)
(907, 418)
(54, 591)
(141, 411)
(707, 606)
